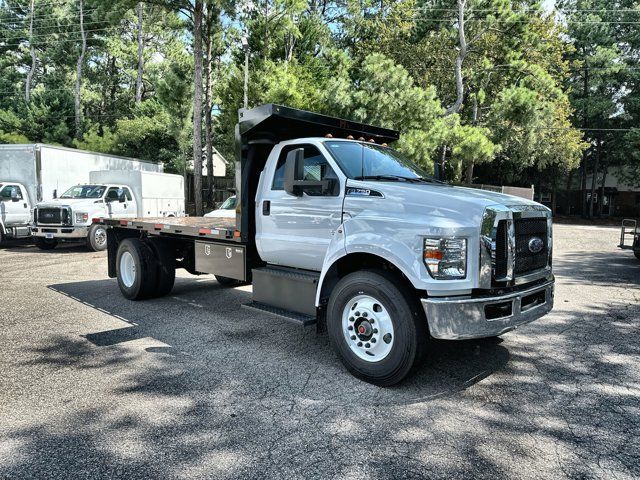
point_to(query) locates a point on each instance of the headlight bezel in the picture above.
(80, 218)
(445, 257)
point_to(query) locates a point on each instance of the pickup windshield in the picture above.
(84, 191)
(368, 161)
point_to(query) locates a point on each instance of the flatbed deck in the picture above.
(194, 227)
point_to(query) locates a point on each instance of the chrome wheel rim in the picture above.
(367, 328)
(100, 237)
(127, 269)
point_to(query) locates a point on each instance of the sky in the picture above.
(548, 4)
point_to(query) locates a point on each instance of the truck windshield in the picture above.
(361, 161)
(84, 191)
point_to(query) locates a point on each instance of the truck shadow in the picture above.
(200, 321)
(581, 267)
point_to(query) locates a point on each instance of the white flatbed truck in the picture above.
(335, 228)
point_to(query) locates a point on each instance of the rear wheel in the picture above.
(377, 330)
(46, 243)
(97, 238)
(136, 269)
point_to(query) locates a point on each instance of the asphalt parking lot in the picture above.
(193, 386)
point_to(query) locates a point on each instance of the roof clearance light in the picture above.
(361, 139)
(371, 140)
(349, 137)
(385, 145)
(328, 135)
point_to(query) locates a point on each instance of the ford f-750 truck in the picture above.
(334, 227)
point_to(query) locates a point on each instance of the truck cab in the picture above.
(335, 228)
(15, 211)
(73, 216)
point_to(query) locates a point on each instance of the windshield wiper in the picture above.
(392, 178)
(398, 178)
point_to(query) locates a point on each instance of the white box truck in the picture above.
(336, 228)
(78, 213)
(35, 173)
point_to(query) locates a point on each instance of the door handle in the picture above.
(266, 208)
(25, 205)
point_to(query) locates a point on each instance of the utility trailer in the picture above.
(630, 228)
(335, 228)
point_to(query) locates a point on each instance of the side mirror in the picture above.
(294, 182)
(294, 172)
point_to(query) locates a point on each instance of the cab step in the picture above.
(293, 317)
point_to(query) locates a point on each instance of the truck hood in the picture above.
(74, 203)
(454, 205)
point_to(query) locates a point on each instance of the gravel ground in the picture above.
(92, 385)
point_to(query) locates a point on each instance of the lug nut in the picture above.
(353, 337)
(367, 345)
(359, 344)
(372, 321)
(375, 330)
(350, 327)
(351, 319)
(357, 314)
(373, 340)
(365, 314)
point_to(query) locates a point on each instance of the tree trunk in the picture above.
(207, 107)
(27, 93)
(139, 84)
(462, 53)
(605, 171)
(569, 192)
(583, 186)
(474, 122)
(197, 107)
(83, 51)
(594, 178)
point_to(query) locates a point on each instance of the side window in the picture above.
(7, 192)
(113, 195)
(127, 194)
(316, 167)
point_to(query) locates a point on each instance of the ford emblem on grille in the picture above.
(48, 215)
(536, 244)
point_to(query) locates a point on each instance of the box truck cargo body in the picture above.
(35, 173)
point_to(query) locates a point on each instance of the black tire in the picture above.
(165, 266)
(145, 279)
(97, 237)
(228, 282)
(407, 317)
(46, 243)
(1, 237)
(637, 254)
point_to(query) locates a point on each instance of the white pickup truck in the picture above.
(78, 213)
(335, 228)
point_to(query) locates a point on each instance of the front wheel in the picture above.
(97, 238)
(46, 243)
(377, 330)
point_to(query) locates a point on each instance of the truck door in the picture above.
(296, 231)
(14, 205)
(120, 202)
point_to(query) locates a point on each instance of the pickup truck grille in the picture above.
(525, 260)
(527, 229)
(53, 216)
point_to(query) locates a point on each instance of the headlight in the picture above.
(81, 217)
(446, 258)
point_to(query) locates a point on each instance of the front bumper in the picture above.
(459, 318)
(60, 233)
